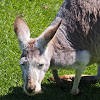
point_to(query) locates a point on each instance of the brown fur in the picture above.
(32, 41)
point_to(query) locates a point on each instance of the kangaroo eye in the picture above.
(23, 64)
(40, 65)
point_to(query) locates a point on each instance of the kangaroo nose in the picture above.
(31, 89)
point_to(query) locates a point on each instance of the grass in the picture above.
(38, 18)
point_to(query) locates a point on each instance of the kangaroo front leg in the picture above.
(75, 90)
(56, 76)
(57, 79)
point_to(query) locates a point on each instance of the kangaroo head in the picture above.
(35, 59)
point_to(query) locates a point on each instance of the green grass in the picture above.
(38, 19)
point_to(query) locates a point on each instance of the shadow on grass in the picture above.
(52, 92)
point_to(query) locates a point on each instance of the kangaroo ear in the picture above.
(22, 31)
(47, 35)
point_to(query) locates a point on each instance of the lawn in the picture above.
(38, 14)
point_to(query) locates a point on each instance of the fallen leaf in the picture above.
(46, 7)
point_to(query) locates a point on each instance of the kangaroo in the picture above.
(70, 42)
